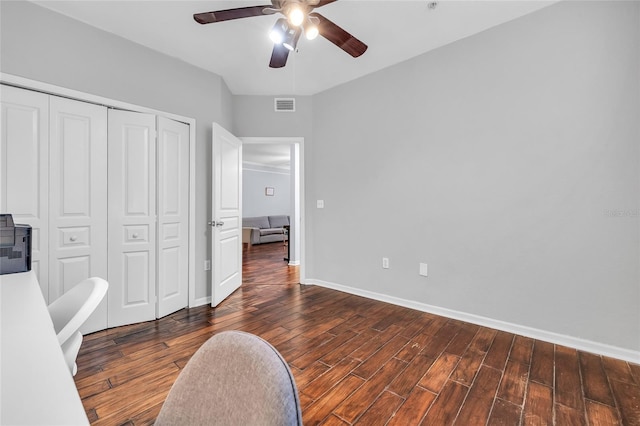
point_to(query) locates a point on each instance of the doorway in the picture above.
(271, 152)
(263, 265)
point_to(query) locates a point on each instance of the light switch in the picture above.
(423, 269)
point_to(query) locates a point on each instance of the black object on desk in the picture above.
(15, 246)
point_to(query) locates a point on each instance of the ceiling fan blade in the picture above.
(339, 37)
(229, 14)
(279, 56)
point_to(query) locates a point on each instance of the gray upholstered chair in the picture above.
(235, 378)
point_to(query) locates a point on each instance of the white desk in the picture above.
(36, 387)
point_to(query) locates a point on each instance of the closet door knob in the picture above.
(135, 235)
(73, 238)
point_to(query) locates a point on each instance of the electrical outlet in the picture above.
(207, 265)
(320, 204)
(385, 263)
(423, 269)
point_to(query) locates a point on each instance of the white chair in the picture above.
(71, 310)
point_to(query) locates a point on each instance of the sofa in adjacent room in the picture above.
(266, 229)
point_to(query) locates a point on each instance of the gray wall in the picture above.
(508, 161)
(254, 117)
(254, 201)
(45, 46)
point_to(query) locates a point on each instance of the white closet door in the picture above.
(132, 217)
(77, 200)
(173, 216)
(24, 166)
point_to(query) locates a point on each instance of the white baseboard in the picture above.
(547, 336)
(201, 301)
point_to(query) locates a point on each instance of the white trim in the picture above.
(25, 83)
(192, 214)
(547, 336)
(201, 301)
(290, 141)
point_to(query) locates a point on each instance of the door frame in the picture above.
(51, 89)
(297, 167)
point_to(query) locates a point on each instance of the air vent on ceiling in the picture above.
(285, 104)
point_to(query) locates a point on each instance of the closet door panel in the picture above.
(132, 218)
(136, 280)
(78, 204)
(72, 270)
(136, 146)
(24, 170)
(173, 216)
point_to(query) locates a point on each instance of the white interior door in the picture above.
(24, 170)
(226, 223)
(173, 216)
(132, 217)
(77, 199)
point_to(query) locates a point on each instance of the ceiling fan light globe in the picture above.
(277, 33)
(296, 16)
(311, 32)
(276, 36)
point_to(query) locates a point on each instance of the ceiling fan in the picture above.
(298, 17)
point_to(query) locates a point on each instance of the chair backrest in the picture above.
(71, 310)
(235, 378)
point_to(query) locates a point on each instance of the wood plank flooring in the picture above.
(359, 361)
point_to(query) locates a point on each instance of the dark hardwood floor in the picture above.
(359, 361)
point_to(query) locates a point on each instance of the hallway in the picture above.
(264, 264)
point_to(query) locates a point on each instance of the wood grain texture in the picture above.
(596, 385)
(444, 409)
(568, 416)
(381, 411)
(477, 406)
(568, 386)
(359, 361)
(542, 363)
(354, 406)
(504, 413)
(414, 408)
(538, 407)
(439, 372)
(627, 397)
(499, 351)
(514, 382)
(599, 414)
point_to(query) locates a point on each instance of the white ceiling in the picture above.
(272, 155)
(239, 50)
